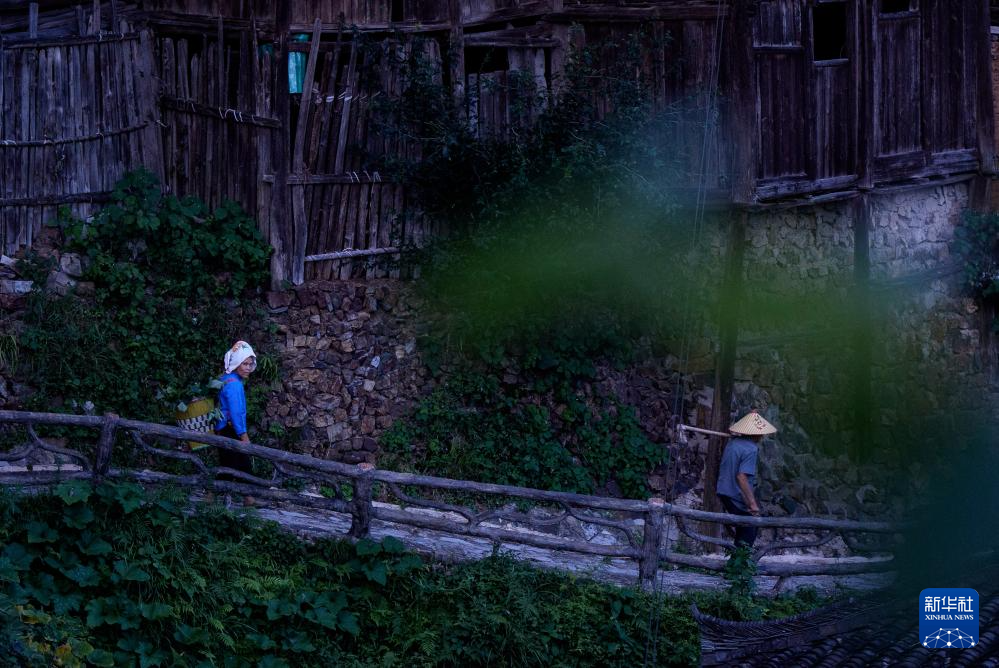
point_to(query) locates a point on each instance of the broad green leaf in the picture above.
(130, 572)
(41, 533)
(155, 611)
(18, 556)
(73, 491)
(78, 516)
(67, 603)
(93, 545)
(393, 545)
(348, 622)
(102, 658)
(376, 572)
(367, 547)
(261, 641)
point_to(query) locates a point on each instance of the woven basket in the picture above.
(197, 417)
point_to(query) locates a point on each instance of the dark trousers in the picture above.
(230, 459)
(743, 535)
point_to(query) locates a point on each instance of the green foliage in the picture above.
(167, 276)
(136, 579)
(538, 618)
(477, 427)
(563, 247)
(121, 578)
(739, 571)
(976, 242)
(548, 223)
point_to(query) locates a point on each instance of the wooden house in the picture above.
(819, 100)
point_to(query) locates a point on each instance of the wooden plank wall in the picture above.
(63, 143)
(949, 90)
(899, 115)
(778, 40)
(348, 204)
(216, 114)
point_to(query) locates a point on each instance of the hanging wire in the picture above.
(679, 402)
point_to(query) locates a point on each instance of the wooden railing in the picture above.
(630, 529)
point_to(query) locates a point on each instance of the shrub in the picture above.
(110, 575)
(168, 277)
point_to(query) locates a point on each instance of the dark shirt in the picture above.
(740, 457)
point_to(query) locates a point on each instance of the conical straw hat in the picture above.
(753, 424)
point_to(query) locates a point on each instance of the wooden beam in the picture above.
(48, 41)
(105, 446)
(621, 13)
(728, 326)
(369, 29)
(346, 254)
(280, 230)
(863, 78)
(220, 77)
(33, 20)
(860, 448)
(648, 564)
(227, 115)
(831, 566)
(169, 22)
(742, 119)
(301, 224)
(331, 179)
(456, 53)
(19, 143)
(54, 200)
(982, 89)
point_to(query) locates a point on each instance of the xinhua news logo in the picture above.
(948, 618)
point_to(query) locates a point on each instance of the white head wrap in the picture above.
(237, 355)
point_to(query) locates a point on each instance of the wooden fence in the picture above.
(427, 502)
(63, 143)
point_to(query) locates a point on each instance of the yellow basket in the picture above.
(197, 417)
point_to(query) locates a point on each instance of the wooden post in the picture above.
(860, 447)
(149, 85)
(728, 325)
(102, 458)
(96, 28)
(280, 236)
(863, 76)
(982, 89)
(743, 119)
(223, 85)
(301, 225)
(648, 564)
(33, 20)
(360, 514)
(456, 53)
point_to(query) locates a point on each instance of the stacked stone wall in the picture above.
(351, 366)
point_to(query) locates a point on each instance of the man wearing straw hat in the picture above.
(737, 473)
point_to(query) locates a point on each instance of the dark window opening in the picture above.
(896, 6)
(829, 31)
(479, 59)
(398, 11)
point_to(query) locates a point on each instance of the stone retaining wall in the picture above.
(349, 351)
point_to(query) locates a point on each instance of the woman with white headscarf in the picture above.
(239, 362)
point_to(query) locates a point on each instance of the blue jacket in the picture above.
(232, 401)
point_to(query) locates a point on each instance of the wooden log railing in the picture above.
(629, 529)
